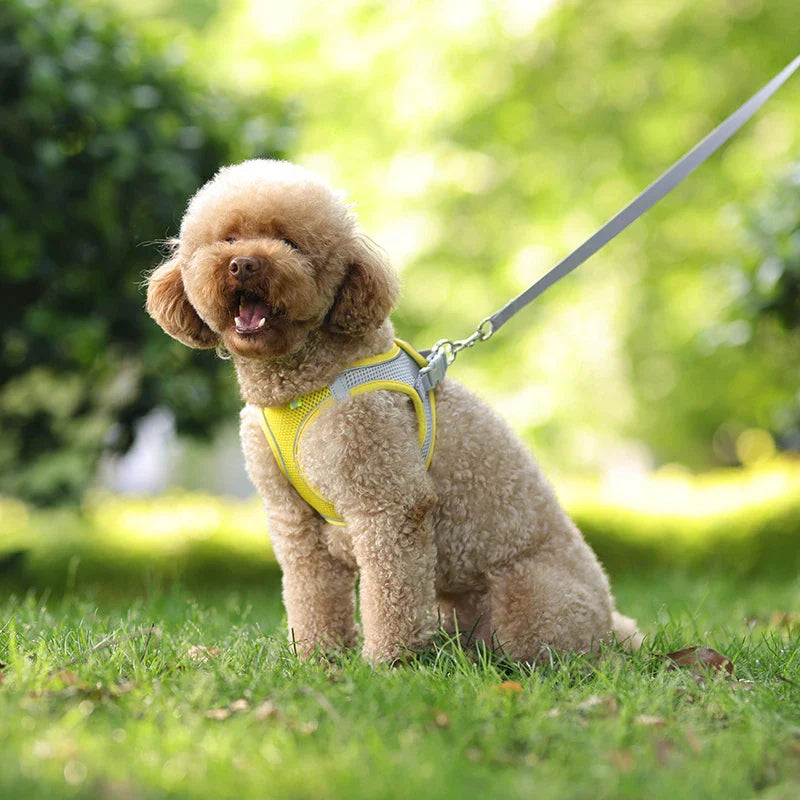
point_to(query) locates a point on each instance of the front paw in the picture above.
(323, 647)
(394, 654)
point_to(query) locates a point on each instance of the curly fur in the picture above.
(478, 540)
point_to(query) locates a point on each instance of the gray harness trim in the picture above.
(402, 369)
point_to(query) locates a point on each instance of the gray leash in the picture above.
(444, 352)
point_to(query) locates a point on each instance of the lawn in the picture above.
(157, 666)
(189, 692)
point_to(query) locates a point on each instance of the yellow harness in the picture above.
(396, 370)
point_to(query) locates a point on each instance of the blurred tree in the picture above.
(104, 136)
(578, 117)
(770, 301)
(483, 140)
(773, 288)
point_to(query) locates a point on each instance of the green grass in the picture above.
(94, 705)
(131, 719)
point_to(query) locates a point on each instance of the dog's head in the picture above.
(267, 253)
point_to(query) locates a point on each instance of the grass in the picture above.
(154, 715)
(144, 656)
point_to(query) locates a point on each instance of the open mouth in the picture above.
(255, 315)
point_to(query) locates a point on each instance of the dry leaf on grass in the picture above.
(650, 721)
(441, 719)
(663, 749)
(508, 687)
(694, 743)
(68, 678)
(778, 619)
(218, 713)
(261, 712)
(700, 660)
(265, 710)
(306, 728)
(201, 653)
(123, 687)
(223, 713)
(622, 760)
(606, 705)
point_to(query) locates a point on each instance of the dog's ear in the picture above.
(168, 305)
(367, 294)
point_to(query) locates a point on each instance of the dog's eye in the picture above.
(230, 239)
(291, 244)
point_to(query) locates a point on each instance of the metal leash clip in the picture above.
(444, 353)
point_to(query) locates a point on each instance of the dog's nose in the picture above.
(242, 267)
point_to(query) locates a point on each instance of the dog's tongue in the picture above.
(252, 314)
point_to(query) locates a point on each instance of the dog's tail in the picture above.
(625, 631)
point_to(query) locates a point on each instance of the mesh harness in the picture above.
(396, 370)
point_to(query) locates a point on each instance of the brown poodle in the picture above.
(272, 267)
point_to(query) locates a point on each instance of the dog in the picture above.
(271, 266)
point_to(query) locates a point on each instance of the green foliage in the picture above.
(190, 537)
(770, 302)
(482, 144)
(775, 231)
(591, 108)
(743, 522)
(104, 136)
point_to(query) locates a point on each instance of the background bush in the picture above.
(737, 522)
(480, 145)
(104, 136)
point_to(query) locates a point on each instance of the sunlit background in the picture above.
(479, 142)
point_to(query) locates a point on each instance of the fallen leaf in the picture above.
(784, 619)
(218, 713)
(622, 760)
(200, 653)
(68, 678)
(240, 763)
(265, 710)
(239, 705)
(778, 619)
(307, 728)
(694, 743)
(650, 721)
(663, 748)
(441, 719)
(742, 685)
(698, 659)
(607, 704)
(508, 687)
(552, 713)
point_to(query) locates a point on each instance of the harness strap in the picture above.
(396, 370)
